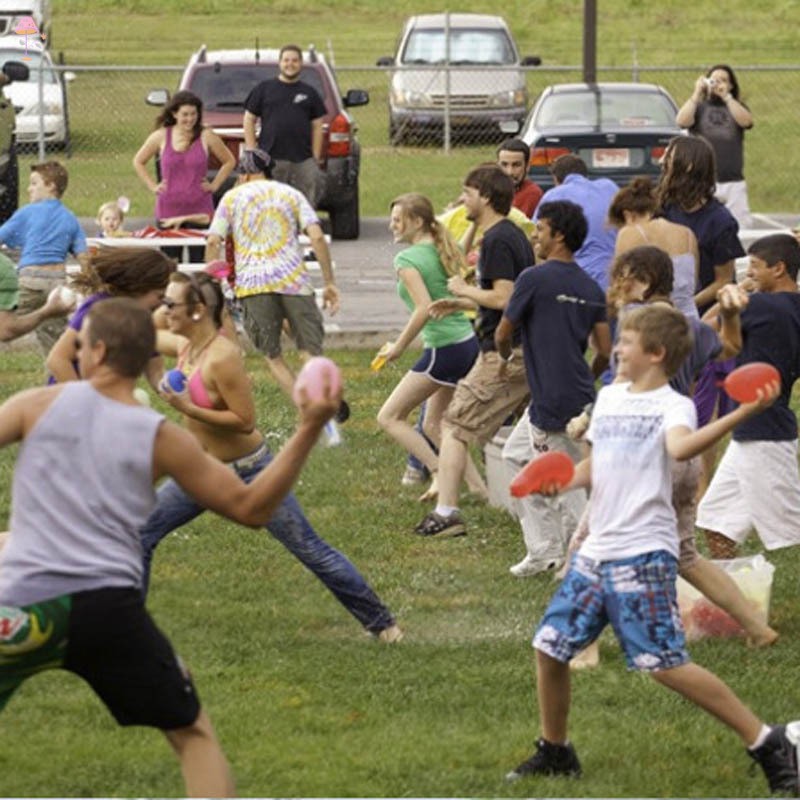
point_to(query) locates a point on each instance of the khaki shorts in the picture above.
(483, 400)
(305, 176)
(263, 320)
(34, 287)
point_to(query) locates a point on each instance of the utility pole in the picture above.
(590, 41)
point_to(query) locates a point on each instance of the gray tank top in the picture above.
(83, 486)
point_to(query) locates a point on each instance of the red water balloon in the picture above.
(744, 382)
(554, 467)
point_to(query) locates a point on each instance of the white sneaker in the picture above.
(534, 566)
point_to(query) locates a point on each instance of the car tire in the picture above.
(344, 219)
(10, 199)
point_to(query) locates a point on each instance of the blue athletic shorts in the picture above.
(636, 595)
(449, 364)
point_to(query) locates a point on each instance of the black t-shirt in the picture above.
(505, 252)
(717, 233)
(771, 333)
(554, 339)
(713, 121)
(286, 111)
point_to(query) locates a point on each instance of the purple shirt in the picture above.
(184, 173)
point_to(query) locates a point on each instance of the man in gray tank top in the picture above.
(71, 572)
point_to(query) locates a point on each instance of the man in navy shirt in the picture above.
(291, 113)
(556, 306)
(757, 483)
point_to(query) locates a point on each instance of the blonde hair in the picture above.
(661, 327)
(110, 205)
(419, 206)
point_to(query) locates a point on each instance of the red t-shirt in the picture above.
(527, 197)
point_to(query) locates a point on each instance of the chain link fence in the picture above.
(420, 147)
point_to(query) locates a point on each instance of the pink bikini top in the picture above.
(194, 383)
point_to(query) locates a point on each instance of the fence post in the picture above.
(41, 109)
(447, 82)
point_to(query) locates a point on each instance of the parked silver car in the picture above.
(464, 65)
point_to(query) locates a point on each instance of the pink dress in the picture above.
(184, 173)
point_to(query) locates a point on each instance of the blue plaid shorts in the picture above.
(636, 595)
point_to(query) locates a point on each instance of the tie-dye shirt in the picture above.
(265, 218)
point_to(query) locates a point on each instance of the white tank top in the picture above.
(83, 486)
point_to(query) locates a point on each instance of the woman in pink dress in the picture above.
(184, 196)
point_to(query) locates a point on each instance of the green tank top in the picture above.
(424, 258)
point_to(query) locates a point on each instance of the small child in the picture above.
(110, 217)
(625, 571)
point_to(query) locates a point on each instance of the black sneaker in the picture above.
(343, 412)
(549, 759)
(436, 525)
(778, 757)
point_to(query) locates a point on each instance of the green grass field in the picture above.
(110, 119)
(307, 705)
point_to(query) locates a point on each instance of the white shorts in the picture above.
(733, 195)
(756, 485)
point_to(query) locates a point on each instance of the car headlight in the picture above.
(405, 97)
(515, 97)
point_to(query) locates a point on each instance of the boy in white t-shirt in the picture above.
(625, 571)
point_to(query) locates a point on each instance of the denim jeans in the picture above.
(291, 528)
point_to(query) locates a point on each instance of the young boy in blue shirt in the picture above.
(625, 571)
(46, 231)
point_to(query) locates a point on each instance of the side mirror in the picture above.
(531, 61)
(157, 97)
(16, 71)
(385, 61)
(356, 97)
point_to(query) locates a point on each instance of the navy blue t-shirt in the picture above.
(554, 339)
(286, 111)
(505, 252)
(717, 233)
(771, 333)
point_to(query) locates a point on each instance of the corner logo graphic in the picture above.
(27, 27)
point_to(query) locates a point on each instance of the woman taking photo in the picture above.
(218, 408)
(184, 196)
(450, 343)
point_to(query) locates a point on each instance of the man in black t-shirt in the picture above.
(291, 114)
(494, 387)
(557, 306)
(757, 483)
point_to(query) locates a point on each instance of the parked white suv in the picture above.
(476, 77)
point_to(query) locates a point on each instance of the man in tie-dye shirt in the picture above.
(265, 218)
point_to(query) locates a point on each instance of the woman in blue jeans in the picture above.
(218, 408)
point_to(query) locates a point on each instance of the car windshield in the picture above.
(229, 87)
(34, 62)
(467, 46)
(606, 109)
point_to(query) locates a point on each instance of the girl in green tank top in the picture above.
(451, 347)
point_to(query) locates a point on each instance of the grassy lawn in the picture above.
(110, 119)
(307, 705)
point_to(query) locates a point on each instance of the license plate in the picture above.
(460, 120)
(609, 157)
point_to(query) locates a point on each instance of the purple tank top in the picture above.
(183, 172)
